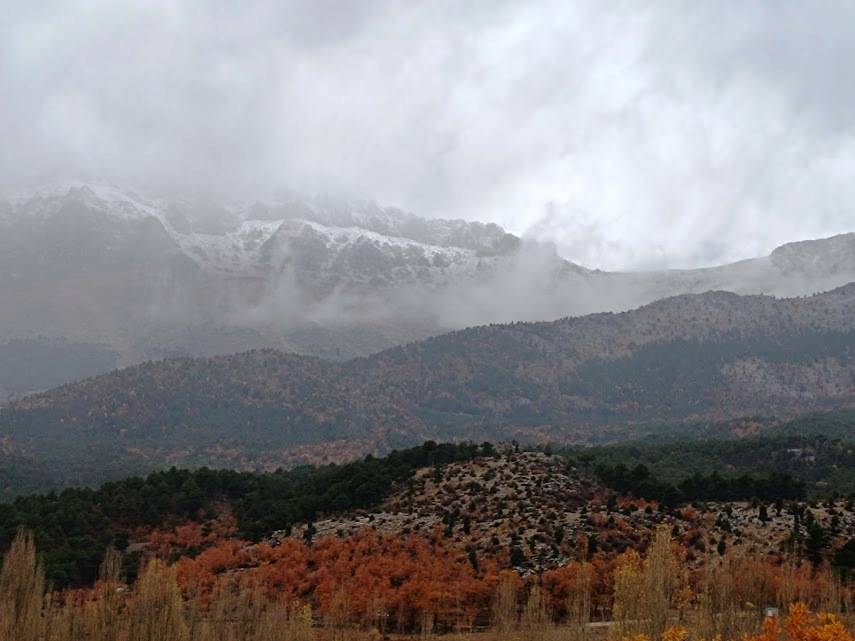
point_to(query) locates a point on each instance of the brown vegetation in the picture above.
(375, 586)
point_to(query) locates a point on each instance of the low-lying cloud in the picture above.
(631, 135)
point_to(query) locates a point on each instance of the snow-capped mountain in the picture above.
(361, 240)
(93, 263)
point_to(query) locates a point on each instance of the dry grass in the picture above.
(645, 590)
(22, 586)
(649, 603)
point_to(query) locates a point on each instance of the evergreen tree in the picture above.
(844, 560)
(816, 542)
(473, 559)
(517, 557)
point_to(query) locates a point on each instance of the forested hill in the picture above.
(710, 356)
(74, 527)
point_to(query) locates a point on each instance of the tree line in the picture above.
(74, 528)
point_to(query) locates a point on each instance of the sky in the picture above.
(633, 135)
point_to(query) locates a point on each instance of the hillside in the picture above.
(608, 376)
(818, 449)
(488, 505)
(536, 512)
(491, 508)
(125, 278)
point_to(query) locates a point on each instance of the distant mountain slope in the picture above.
(710, 356)
(149, 278)
(28, 365)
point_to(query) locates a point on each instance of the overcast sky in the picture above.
(631, 134)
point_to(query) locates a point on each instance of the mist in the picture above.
(631, 136)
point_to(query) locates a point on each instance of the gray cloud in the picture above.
(632, 135)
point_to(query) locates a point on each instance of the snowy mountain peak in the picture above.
(102, 196)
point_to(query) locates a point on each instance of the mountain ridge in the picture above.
(93, 264)
(714, 356)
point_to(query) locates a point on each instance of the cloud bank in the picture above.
(632, 135)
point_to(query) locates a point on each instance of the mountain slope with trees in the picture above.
(695, 357)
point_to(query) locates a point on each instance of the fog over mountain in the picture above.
(631, 135)
(102, 276)
(242, 176)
